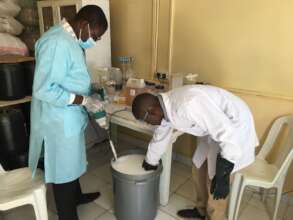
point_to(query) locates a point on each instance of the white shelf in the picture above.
(15, 59)
(4, 103)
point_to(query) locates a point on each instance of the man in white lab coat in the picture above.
(226, 135)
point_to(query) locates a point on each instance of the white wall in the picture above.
(100, 55)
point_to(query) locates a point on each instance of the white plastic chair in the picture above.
(17, 188)
(262, 173)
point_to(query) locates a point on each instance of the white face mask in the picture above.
(89, 42)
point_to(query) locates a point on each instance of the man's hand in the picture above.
(148, 166)
(220, 186)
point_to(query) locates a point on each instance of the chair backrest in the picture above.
(287, 143)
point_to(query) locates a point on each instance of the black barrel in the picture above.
(29, 70)
(13, 139)
(12, 81)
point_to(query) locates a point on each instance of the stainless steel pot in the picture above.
(136, 197)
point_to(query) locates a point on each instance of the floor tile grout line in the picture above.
(99, 176)
(168, 214)
(171, 213)
(101, 215)
(92, 174)
(285, 212)
(174, 216)
(175, 191)
(184, 197)
(255, 192)
(246, 202)
(189, 178)
(265, 209)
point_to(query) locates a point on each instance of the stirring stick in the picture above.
(93, 121)
(113, 149)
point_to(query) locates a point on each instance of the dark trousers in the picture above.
(66, 199)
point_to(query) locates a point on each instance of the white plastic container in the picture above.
(176, 80)
(190, 79)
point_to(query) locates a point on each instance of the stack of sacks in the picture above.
(9, 28)
(28, 16)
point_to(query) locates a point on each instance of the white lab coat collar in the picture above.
(67, 27)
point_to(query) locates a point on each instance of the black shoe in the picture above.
(190, 213)
(88, 197)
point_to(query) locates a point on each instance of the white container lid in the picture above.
(135, 83)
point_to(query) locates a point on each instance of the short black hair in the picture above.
(142, 103)
(94, 15)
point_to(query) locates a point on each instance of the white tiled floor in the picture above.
(186, 190)
(98, 178)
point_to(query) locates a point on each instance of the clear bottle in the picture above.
(126, 67)
(129, 71)
(116, 75)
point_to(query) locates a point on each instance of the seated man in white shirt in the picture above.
(226, 135)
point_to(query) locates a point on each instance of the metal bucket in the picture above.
(136, 197)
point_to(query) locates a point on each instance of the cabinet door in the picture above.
(46, 15)
(67, 9)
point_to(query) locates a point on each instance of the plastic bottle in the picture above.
(101, 118)
(129, 71)
(116, 75)
(126, 67)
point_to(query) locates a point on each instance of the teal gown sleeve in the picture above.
(51, 72)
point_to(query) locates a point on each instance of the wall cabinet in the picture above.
(51, 12)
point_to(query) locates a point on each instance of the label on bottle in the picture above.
(102, 122)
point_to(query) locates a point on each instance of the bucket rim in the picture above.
(130, 177)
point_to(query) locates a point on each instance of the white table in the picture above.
(126, 119)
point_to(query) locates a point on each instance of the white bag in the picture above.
(12, 45)
(9, 25)
(28, 16)
(8, 7)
